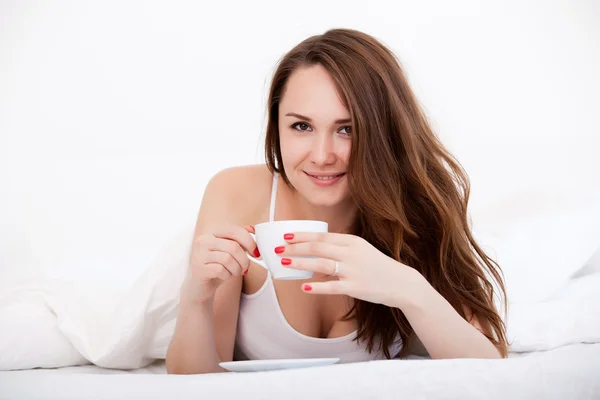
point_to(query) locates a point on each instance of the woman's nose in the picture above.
(322, 151)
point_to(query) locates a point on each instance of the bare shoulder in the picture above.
(243, 179)
(243, 191)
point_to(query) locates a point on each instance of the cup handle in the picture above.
(256, 260)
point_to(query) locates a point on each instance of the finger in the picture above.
(340, 239)
(226, 260)
(218, 271)
(314, 249)
(232, 247)
(319, 265)
(239, 235)
(329, 287)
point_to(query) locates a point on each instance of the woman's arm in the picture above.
(443, 332)
(365, 273)
(193, 348)
(205, 333)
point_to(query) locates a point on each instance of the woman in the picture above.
(350, 146)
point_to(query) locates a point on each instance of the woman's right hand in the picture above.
(215, 258)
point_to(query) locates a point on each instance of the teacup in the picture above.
(270, 235)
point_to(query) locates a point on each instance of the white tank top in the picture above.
(263, 333)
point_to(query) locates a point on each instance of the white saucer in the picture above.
(271, 365)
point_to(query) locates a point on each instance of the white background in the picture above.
(113, 115)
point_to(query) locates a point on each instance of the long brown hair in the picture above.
(411, 193)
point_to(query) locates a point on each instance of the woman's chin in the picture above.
(323, 198)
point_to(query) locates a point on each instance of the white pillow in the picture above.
(540, 252)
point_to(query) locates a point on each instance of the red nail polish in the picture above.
(256, 252)
(246, 272)
(286, 261)
(308, 288)
(279, 249)
(288, 236)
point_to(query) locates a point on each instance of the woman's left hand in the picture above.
(363, 271)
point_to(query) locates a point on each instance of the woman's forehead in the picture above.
(312, 92)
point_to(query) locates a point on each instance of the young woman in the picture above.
(399, 268)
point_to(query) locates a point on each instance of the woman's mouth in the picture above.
(324, 179)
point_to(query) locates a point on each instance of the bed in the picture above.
(73, 339)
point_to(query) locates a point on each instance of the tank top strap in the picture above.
(273, 197)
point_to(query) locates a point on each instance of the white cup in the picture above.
(270, 235)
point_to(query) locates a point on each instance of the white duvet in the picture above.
(56, 323)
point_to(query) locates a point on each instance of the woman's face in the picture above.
(315, 136)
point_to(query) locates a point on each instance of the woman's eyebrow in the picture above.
(339, 121)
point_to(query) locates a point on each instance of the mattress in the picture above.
(568, 372)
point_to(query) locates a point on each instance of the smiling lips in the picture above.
(324, 179)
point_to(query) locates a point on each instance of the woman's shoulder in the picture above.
(243, 178)
(246, 187)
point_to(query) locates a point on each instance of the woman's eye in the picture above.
(348, 130)
(304, 127)
(300, 124)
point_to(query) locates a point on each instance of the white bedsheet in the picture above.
(569, 372)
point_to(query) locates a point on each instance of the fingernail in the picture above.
(288, 236)
(256, 252)
(279, 249)
(308, 288)
(246, 272)
(286, 261)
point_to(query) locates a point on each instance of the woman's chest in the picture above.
(314, 315)
(311, 315)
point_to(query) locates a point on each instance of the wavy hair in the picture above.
(411, 193)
